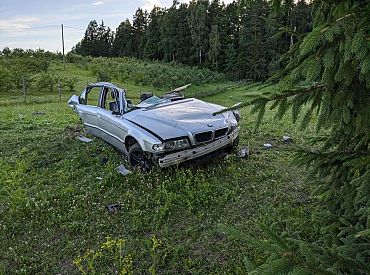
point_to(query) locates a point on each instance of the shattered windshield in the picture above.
(152, 101)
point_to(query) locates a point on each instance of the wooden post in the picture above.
(24, 88)
(60, 90)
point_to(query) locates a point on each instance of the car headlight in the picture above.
(172, 145)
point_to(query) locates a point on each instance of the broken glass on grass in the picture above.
(121, 169)
(84, 139)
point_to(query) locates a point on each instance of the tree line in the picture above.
(244, 39)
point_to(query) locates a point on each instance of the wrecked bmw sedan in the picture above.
(164, 130)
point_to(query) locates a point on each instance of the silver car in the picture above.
(160, 131)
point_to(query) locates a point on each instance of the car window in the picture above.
(109, 97)
(93, 96)
(152, 101)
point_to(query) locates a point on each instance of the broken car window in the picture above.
(152, 101)
(93, 96)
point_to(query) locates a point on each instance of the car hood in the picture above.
(179, 118)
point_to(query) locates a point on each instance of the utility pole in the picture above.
(64, 63)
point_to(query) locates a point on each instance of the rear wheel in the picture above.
(137, 159)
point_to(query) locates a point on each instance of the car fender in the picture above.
(145, 138)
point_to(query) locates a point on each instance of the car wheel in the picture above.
(137, 158)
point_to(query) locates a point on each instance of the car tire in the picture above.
(137, 158)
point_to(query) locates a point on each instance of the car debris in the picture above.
(163, 131)
(244, 152)
(287, 139)
(121, 169)
(84, 139)
(104, 160)
(113, 208)
(38, 113)
(267, 145)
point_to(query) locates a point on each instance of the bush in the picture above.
(45, 81)
(70, 82)
(6, 79)
(156, 74)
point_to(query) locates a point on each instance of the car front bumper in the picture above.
(193, 153)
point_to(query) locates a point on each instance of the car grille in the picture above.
(203, 137)
(221, 132)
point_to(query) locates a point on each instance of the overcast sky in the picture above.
(33, 24)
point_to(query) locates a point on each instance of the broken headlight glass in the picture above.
(172, 145)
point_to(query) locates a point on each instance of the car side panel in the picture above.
(88, 114)
(113, 131)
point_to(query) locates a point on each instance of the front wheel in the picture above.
(137, 158)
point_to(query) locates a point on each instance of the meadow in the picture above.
(54, 190)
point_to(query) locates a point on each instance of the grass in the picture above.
(54, 189)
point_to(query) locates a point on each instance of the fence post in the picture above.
(24, 88)
(60, 91)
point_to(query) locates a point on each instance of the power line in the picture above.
(74, 28)
(39, 27)
(27, 28)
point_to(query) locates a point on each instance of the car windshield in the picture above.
(152, 101)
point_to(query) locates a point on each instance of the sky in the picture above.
(34, 24)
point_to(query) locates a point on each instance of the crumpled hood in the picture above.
(179, 118)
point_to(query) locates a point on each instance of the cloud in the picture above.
(98, 3)
(149, 4)
(18, 22)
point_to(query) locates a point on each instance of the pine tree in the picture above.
(123, 44)
(184, 43)
(86, 46)
(198, 18)
(152, 48)
(214, 46)
(97, 41)
(231, 40)
(104, 41)
(139, 26)
(252, 47)
(328, 71)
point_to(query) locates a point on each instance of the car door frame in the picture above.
(89, 113)
(111, 126)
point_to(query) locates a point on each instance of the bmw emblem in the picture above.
(209, 125)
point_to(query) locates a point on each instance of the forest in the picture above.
(244, 39)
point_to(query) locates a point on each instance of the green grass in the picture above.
(52, 200)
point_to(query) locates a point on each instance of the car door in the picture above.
(88, 109)
(110, 120)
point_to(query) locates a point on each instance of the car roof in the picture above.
(105, 84)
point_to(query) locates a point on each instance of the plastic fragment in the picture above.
(267, 145)
(38, 113)
(287, 139)
(113, 208)
(121, 169)
(84, 139)
(243, 152)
